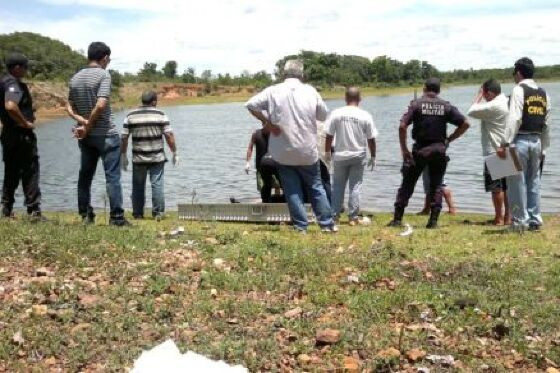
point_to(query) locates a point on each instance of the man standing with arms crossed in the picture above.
(429, 116)
(89, 105)
(292, 109)
(354, 132)
(148, 126)
(19, 143)
(528, 130)
(493, 115)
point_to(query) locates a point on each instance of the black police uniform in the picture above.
(19, 148)
(429, 115)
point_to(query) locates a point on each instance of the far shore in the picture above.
(45, 115)
(129, 100)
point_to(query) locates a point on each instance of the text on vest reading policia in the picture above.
(536, 109)
(429, 108)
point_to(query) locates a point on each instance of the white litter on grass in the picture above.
(407, 232)
(167, 358)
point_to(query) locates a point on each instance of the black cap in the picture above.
(15, 59)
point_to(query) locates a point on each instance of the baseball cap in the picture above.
(15, 59)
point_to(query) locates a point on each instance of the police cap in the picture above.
(16, 59)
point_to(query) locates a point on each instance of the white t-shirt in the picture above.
(351, 128)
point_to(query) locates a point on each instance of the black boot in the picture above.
(397, 217)
(432, 222)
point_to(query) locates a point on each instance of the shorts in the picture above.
(493, 185)
(426, 181)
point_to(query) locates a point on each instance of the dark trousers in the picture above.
(268, 171)
(108, 148)
(432, 156)
(21, 162)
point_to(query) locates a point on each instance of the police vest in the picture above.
(534, 110)
(261, 147)
(430, 120)
(25, 104)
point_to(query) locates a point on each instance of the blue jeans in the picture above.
(109, 150)
(296, 179)
(139, 174)
(349, 171)
(524, 189)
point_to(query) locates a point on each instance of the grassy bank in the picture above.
(91, 298)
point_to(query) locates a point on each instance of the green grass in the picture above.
(144, 288)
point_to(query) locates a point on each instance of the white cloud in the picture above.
(231, 36)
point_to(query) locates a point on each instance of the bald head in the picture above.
(353, 95)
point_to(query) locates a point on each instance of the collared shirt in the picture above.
(86, 86)
(147, 125)
(351, 128)
(516, 113)
(295, 107)
(493, 116)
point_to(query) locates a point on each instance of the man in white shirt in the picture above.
(289, 111)
(528, 130)
(354, 132)
(493, 113)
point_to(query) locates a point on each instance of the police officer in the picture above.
(528, 129)
(19, 143)
(429, 116)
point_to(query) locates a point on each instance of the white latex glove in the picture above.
(175, 159)
(124, 162)
(247, 167)
(371, 163)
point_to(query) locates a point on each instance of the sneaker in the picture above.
(158, 217)
(300, 231)
(395, 223)
(88, 219)
(121, 222)
(37, 217)
(331, 229)
(432, 224)
(534, 227)
(137, 217)
(7, 214)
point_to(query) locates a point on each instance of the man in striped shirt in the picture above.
(89, 105)
(147, 126)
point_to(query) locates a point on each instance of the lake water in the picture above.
(212, 141)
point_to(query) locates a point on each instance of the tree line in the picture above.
(54, 60)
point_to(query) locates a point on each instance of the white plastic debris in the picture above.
(407, 232)
(167, 358)
(444, 360)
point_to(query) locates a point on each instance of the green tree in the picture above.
(170, 69)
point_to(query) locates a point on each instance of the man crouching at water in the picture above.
(147, 125)
(293, 109)
(429, 116)
(89, 105)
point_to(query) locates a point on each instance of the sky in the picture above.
(230, 36)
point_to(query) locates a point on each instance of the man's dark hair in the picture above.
(148, 97)
(97, 51)
(16, 59)
(433, 85)
(492, 85)
(525, 67)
